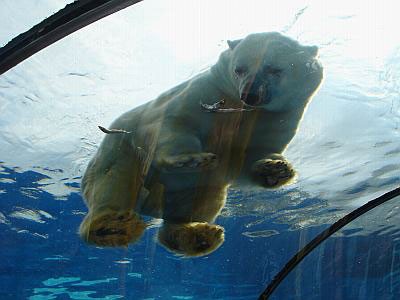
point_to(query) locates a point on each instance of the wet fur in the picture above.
(178, 161)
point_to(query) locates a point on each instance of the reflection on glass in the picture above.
(345, 152)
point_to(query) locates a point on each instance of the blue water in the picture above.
(43, 258)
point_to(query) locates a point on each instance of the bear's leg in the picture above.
(111, 187)
(191, 239)
(272, 172)
(196, 209)
(183, 153)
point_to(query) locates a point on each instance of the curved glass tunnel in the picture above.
(345, 152)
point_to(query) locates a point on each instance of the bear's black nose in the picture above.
(250, 98)
(256, 94)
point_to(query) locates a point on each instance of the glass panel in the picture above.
(345, 153)
(359, 262)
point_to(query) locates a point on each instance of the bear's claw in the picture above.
(190, 162)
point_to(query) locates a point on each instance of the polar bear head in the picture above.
(272, 71)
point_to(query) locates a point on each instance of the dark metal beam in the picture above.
(67, 20)
(307, 249)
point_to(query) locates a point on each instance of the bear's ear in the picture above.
(233, 44)
(313, 50)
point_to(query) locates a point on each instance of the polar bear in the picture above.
(175, 157)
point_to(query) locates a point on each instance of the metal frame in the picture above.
(72, 17)
(307, 249)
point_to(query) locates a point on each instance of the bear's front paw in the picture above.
(191, 239)
(189, 162)
(112, 229)
(272, 173)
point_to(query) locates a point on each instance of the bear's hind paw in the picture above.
(112, 229)
(191, 239)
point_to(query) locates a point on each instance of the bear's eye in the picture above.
(270, 70)
(240, 70)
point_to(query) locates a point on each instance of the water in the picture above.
(346, 152)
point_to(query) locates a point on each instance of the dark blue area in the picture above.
(48, 260)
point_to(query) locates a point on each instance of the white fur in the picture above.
(179, 159)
